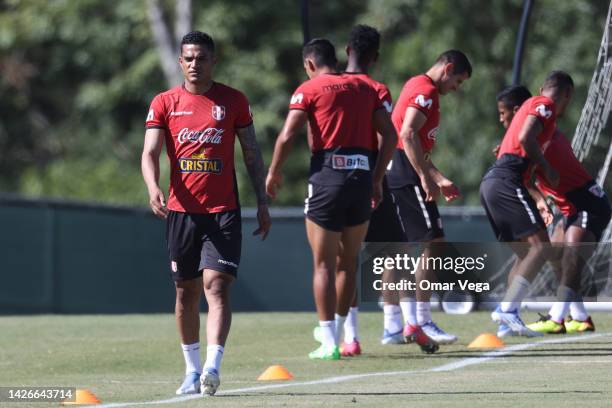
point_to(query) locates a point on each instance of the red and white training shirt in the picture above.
(200, 136)
(340, 111)
(419, 92)
(572, 175)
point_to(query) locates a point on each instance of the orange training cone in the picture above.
(275, 372)
(83, 397)
(485, 341)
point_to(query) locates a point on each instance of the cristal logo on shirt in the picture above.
(208, 135)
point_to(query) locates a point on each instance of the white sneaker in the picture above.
(514, 323)
(437, 334)
(392, 338)
(191, 384)
(209, 382)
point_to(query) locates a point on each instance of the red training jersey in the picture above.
(572, 175)
(200, 136)
(340, 111)
(542, 108)
(384, 95)
(421, 93)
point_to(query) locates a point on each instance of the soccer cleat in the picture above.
(191, 384)
(504, 331)
(325, 353)
(209, 382)
(547, 325)
(514, 323)
(392, 338)
(579, 326)
(414, 334)
(350, 349)
(437, 334)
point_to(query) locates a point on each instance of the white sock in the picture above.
(191, 353)
(328, 333)
(214, 354)
(408, 306)
(577, 309)
(423, 312)
(515, 294)
(339, 320)
(350, 326)
(560, 308)
(393, 319)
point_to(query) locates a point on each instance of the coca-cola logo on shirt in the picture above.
(208, 135)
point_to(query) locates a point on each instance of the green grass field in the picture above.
(135, 358)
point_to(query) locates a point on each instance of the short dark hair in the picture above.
(365, 42)
(322, 51)
(558, 79)
(459, 60)
(200, 38)
(513, 95)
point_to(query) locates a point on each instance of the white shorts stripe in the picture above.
(585, 219)
(519, 193)
(422, 203)
(307, 198)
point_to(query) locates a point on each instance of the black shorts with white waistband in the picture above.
(592, 209)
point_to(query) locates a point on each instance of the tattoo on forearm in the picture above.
(254, 162)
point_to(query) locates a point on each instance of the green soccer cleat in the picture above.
(579, 326)
(547, 325)
(325, 353)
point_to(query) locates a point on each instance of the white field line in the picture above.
(466, 362)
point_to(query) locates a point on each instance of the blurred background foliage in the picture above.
(77, 78)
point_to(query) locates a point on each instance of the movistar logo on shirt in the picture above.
(350, 162)
(297, 98)
(198, 163)
(543, 112)
(425, 103)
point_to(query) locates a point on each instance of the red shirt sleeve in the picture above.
(422, 98)
(300, 99)
(543, 109)
(156, 118)
(385, 98)
(244, 117)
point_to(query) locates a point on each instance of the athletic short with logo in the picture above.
(334, 207)
(511, 211)
(203, 241)
(385, 224)
(420, 219)
(593, 209)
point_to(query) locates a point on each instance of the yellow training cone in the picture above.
(275, 372)
(83, 397)
(485, 341)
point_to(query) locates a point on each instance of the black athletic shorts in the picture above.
(203, 241)
(334, 207)
(512, 212)
(419, 219)
(385, 224)
(593, 209)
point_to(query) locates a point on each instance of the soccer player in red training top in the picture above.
(199, 121)
(511, 210)
(574, 182)
(345, 178)
(586, 213)
(416, 182)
